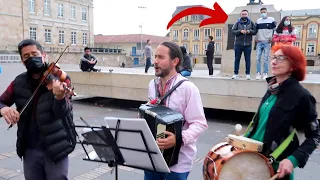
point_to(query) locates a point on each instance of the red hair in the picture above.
(295, 57)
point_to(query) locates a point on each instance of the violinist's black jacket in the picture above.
(47, 123)
(295, 107)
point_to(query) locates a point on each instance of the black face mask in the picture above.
(244, 18)
(34, 65)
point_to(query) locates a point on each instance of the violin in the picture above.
(54, 72)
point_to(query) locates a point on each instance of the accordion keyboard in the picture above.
(160, 132)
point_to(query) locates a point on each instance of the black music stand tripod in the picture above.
(104, 143)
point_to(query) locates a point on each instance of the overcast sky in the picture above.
(113, 17)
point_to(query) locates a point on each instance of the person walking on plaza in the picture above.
(243, 30)
(285, 32)
(210, 55)
(46, 132)
(88, 61)
(265, 30)
(286, 109)
(186, 67)
(147, 55)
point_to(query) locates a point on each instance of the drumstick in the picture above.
(274, 177)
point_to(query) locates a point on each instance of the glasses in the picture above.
(279, 59)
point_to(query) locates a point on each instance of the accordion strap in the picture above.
(160, 99)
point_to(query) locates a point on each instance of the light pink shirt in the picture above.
(186, 100)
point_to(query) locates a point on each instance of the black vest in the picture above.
(57, 135)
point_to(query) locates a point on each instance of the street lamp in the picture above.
(140, 26)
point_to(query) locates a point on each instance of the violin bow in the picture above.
(35, 91)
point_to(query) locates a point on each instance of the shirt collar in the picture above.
(169, 81)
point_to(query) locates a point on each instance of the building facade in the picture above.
(186, 32)
(306, 22)
(53, 23)
(130, 44)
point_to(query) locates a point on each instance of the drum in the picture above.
(226, 162)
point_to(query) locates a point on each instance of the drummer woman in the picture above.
(286, 106)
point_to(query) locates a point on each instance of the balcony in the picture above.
(312, 36)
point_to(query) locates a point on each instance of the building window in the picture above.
(175, 34)
(205, 47)
(60, 10)
(298, 31)
(311, 49)
(33, 33)
(194, 18)
(218, 48)
(296, 43)
(73, 38)
(32, 6)
(84, 14)
(185, 34)
(186, 46)
(218, 34)
(195, 49)
(186, 18)
(84, 39)
(312, 30)
(47, 8)
(61, 37)
(47, 35)
(207, 33)
(196, 34)
(73, 12)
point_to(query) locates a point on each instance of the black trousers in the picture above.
(85, 66)
(210, 65)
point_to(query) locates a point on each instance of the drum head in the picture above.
(245, 166)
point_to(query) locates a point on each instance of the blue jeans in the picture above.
(263, 46)
(185, 73)
(149, 175)
(238, 49)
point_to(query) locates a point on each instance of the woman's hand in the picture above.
(285, 168)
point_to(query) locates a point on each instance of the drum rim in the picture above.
(239, 151)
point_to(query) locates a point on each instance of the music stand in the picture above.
(124, 141)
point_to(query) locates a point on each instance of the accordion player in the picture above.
(159, 119)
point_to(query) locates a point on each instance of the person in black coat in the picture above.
(287, 107)
(186, 68)
(210, 55)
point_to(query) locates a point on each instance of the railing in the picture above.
(10, 58)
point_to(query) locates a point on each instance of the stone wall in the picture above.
(108, 60)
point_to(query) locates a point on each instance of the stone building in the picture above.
(53, 23)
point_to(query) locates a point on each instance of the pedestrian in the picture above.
(265, 29)
(243, 29)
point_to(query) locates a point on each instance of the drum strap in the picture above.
(283, 146)
(160, 99)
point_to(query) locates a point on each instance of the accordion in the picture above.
(159, 119)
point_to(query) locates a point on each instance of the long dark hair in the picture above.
(174, 52)
(281, 26)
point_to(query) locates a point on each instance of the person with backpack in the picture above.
(243, 29)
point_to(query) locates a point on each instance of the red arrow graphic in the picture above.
(217, 15)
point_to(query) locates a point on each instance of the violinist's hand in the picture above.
(10, 115)
(57, 89)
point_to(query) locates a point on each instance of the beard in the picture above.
(163, 72)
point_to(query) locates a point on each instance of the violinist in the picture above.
(45, 129)
(88, 61)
